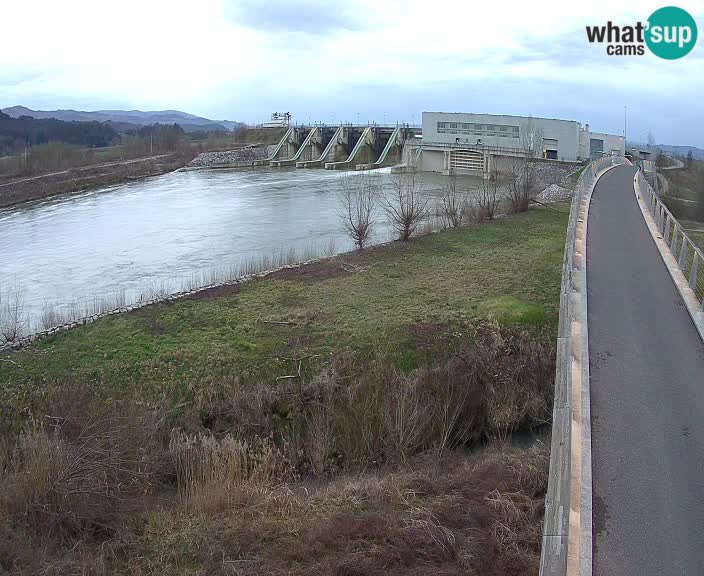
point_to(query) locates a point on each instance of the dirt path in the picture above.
(86, 177)
(79, 168)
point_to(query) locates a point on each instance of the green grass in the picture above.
(507, 270)
(510, 310)
(697, 238)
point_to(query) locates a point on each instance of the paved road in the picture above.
(647, 388)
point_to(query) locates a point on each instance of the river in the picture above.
(169, 232)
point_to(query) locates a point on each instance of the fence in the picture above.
(688, 255)
(567, 409)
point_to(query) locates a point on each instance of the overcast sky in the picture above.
(333, 60)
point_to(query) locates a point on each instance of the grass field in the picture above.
(697, 238)
(352, 416)
(508, 269)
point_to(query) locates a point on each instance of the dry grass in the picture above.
(358, 469)
(73, 475)
(466, 514)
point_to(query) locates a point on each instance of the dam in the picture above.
(345, 147)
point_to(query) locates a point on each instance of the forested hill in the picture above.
(16, 133)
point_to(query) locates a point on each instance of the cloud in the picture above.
(293, 16)
(242, 59)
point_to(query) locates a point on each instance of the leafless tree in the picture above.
(358, 200)
(521, 171)
(12, 314)
(689, 160)
(453, 203)
(489, 196)
(406, 205)
(700, 195)
(520, 183)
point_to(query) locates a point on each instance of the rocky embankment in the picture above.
(238, 158)
(554, 193)
(550, 172)
(77, 179)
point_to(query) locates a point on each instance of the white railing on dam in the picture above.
(688, 257)
(567, 530)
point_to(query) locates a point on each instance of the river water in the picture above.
(169, 232)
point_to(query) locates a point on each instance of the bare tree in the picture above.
(520, 183)
(700, 195)
(489, 196)
(358, 200)
(521, 172)
(453, 203)
(689, 160)
(12, 314)
(406, 205)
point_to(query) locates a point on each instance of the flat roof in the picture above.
(505, 115)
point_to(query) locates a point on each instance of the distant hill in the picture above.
(121, 118)
(697, 153)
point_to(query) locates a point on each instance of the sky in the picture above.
(344, 60)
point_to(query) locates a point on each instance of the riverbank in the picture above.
(243, 157)
(23, 190)
(344, 402)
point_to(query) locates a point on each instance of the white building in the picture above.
(278, 120)
(476, 142)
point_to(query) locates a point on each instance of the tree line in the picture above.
(18, 134)
(31, 150)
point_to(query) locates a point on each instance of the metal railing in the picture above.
(490, 149)
(556, 528)
(688, 255)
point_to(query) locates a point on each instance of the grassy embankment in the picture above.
(686, 193)
(684, 198)
(63, 169)
(316, 421)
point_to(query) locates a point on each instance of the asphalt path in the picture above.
(646, 365)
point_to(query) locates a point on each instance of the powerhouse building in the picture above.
(479, 142)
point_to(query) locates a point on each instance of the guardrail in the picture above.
(689, 257)
(567, 535)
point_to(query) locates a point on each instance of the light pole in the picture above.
(384, 118)
(625, 118)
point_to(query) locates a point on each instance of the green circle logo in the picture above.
(671, 33)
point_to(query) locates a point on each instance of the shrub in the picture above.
(74, 475)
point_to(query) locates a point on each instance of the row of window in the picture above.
(476, 133)
(481, 127)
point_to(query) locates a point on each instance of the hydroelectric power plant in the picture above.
(476, 144)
